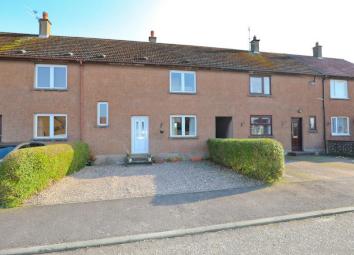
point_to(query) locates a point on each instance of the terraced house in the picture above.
(165, 99)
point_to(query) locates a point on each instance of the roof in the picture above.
(161, 54)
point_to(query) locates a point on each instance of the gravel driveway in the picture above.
(117, 182)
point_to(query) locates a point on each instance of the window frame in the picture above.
(331, 91)
(348, 126)
(51, 77)
(51, 126)
(315, 128)
(183, 91)
(183, 135)
(99, 114)
(261, 116)
(262, 93)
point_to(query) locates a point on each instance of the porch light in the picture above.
(161, 128)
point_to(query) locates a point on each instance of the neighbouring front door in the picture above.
(140, 134)
(296, 134)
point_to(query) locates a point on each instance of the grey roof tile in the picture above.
(134, 52)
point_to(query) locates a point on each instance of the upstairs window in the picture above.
(261, 125)
(51, 77)
(102, 114)
(260, 85)
(50, 126)
(182, 82)
(340, 126)
(183, 126)
(339, 89)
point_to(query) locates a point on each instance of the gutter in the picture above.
(81, 97)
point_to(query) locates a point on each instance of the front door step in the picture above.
(300, 153)
(145, 158)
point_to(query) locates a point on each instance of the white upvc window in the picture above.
(51, 77)
(260, 85)
(340, 126)
(183, 126)
(183, 82)
(102, 114)
(339, 89)
(50, 126)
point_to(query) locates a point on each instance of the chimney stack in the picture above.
(152, 37)
(254, 45)
(44, 26)
(317, 51)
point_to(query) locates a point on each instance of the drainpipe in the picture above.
(324, 113)
(81, 100)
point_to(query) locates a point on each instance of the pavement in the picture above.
(325, 235)
(304, 190)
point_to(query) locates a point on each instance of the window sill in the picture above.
(49, 139)
(260, 136)
(344, 99)
(183, 137)
(98, 126)
(183, 93)
(259, 95)
(313, 131)
(344, 135)
(43, 89)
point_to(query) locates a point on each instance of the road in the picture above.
(327, 235)
(25, 227)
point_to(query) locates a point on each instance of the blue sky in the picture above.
(93, 18)
(285, 26)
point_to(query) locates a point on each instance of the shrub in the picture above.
(28, 171)
(262, 159)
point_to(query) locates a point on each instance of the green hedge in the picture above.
(262, 159)
(28, 171)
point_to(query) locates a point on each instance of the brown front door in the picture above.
(296, 134)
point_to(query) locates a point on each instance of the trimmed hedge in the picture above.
(28, 171)
(262, 159)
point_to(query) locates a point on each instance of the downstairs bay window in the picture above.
(340, 126)
(183, 126)
(50, 126)
(261, 125)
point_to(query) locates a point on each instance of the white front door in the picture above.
(140, 134)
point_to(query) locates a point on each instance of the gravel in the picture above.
(117, 182)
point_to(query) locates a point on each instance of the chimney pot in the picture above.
(317, 50)
(254, 45)
(44, 26)
(152, 37)
(45, 15)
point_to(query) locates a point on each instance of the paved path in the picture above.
(72, 222)
(327, 235)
